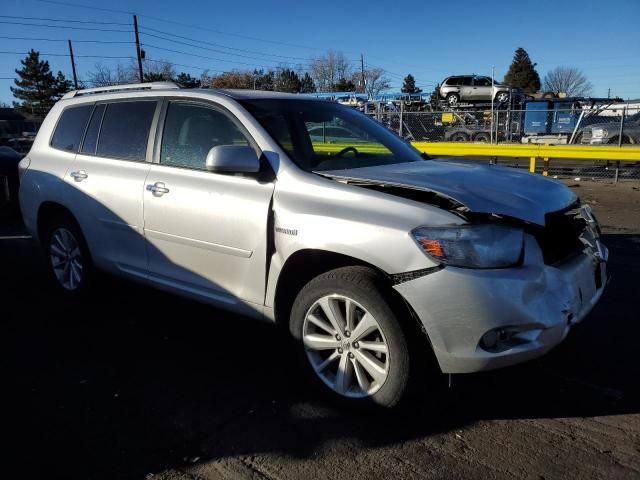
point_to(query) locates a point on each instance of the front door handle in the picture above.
(158, 189)
(79, 175)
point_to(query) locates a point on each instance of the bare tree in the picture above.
(569, 80)
(328, 69)
(158, 71)
(375, 81)
(104, 76)
(154, 71)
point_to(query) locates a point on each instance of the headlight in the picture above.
(599, 133)
(472, 246)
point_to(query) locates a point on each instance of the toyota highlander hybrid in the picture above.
(368, 252)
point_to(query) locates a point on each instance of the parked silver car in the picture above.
(472, 88)
(369, 254)
(609, 132)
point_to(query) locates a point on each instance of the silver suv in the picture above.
(366, 251)
(472, 88)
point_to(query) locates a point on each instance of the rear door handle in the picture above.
(79, 175)
(158, 189)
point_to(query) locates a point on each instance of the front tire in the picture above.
(350, 338)
(482, 138)
(616, 140)
(459, 137)
(68, 259)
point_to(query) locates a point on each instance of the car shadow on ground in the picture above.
(132, 380)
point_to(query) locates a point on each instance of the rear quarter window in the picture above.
(70, 128)
(91, 137)
(125, 130)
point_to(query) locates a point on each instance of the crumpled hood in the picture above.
(481, 188)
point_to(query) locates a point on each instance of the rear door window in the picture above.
(125, 130)
(482, 82)
(70, 128)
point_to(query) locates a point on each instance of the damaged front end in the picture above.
(481, 317)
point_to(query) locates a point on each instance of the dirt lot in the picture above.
(133, 383)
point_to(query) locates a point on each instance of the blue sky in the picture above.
(431, 40)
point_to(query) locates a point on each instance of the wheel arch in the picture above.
(49, 210)
(304, 265)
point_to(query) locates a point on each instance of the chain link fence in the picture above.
(619, 126)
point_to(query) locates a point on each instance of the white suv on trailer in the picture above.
(368, 252)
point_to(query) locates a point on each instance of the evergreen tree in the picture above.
(263, 80)
(522, 73)
(187, 81)
(344, 85)
(287, 81)
(37, 88)
(409, 85)
(306, 84)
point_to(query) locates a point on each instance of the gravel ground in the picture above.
(133, 383)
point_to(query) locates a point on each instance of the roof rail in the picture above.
(123, 88)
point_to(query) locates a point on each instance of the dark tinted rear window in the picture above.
(70, 128)
(91, 137)
(125, 130)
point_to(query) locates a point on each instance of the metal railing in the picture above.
(619, 126)
(590, 144)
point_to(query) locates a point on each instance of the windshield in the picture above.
(322, 136)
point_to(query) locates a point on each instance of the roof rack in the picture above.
(123, 88)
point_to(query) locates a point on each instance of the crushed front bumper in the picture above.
(458, 306)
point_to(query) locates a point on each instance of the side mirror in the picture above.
(233, 159)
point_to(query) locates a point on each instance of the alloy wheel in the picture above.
(66, 258)
(346, 346)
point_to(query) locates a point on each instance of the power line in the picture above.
(64, 40)
(65, 27)
(78, 5)
(213, 44)
(263, 40)
(66, 20)
(63, 55)
(146, 45)
(69, 4)
(175, 35)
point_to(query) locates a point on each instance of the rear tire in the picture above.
(453, 99)
(361, 358)
(68, 259)
(502, 97)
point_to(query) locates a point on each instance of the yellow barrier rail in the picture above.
(630, 153)
(534, 152)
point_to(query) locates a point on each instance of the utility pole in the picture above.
(135, 27)
(362, 72)
(608, 93)
(73, 66)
